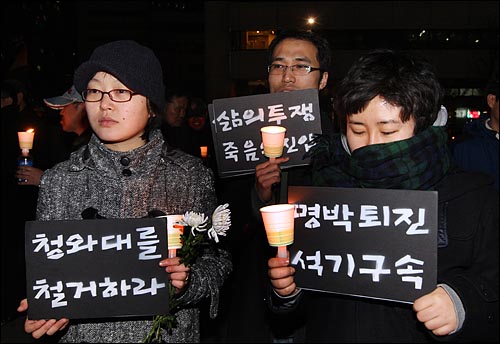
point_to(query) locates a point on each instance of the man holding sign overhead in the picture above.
(388, 106)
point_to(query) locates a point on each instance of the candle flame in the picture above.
(30, 130)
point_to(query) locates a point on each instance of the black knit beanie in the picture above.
(136, 66)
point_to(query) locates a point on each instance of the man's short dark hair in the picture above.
(324, 55)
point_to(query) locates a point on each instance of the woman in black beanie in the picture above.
(126, 171)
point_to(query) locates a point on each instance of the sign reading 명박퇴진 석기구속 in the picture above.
(96, 268)
(236, 122)
(373, 243)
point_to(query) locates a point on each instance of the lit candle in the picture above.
(279, 224)
(26, 138)
(204, 151)
(174, 231)
(273, 140)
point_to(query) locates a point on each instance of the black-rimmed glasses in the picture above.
(118, 95)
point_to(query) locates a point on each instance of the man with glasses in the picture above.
(297, 60)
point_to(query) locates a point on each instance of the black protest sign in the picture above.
(236, 124)
(371, 243)
(96, 268)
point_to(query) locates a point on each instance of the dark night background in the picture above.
(47, 40)
(198, 42)
(205, 47)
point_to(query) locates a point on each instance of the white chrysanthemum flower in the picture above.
(212, 234)
(221, 221)
(196, 221)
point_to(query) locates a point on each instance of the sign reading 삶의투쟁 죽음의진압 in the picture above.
(96, 268)
(236, 123)
(373, 243)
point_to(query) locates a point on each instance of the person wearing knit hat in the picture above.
(131, 63)
(128, 171)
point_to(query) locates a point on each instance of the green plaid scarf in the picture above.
(417, 163)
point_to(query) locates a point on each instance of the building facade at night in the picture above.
(459, 37)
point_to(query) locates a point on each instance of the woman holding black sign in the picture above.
(128, 171)
(391, 137)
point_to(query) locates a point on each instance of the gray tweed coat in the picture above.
(128, 185)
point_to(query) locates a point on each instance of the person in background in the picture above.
(73, 121)
(9, 96)
(19, 201)
(74, 118)
(174, 125)
(200, 132)
(48, 145)
(477, 148)
(386, 105)
(14, 210)
(197, 114)
(176, 107)
(127, 171)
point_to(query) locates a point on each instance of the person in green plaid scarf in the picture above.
(392, 137)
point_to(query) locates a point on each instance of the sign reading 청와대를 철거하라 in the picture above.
(236, 124)
(96, 268)
(373, 243)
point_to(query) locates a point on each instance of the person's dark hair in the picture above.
(197, 108)
(324, 55)
(492, 86)
(171, 93)
(154, 120)
(404, 80)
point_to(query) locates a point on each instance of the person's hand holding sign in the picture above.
(37, 328)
